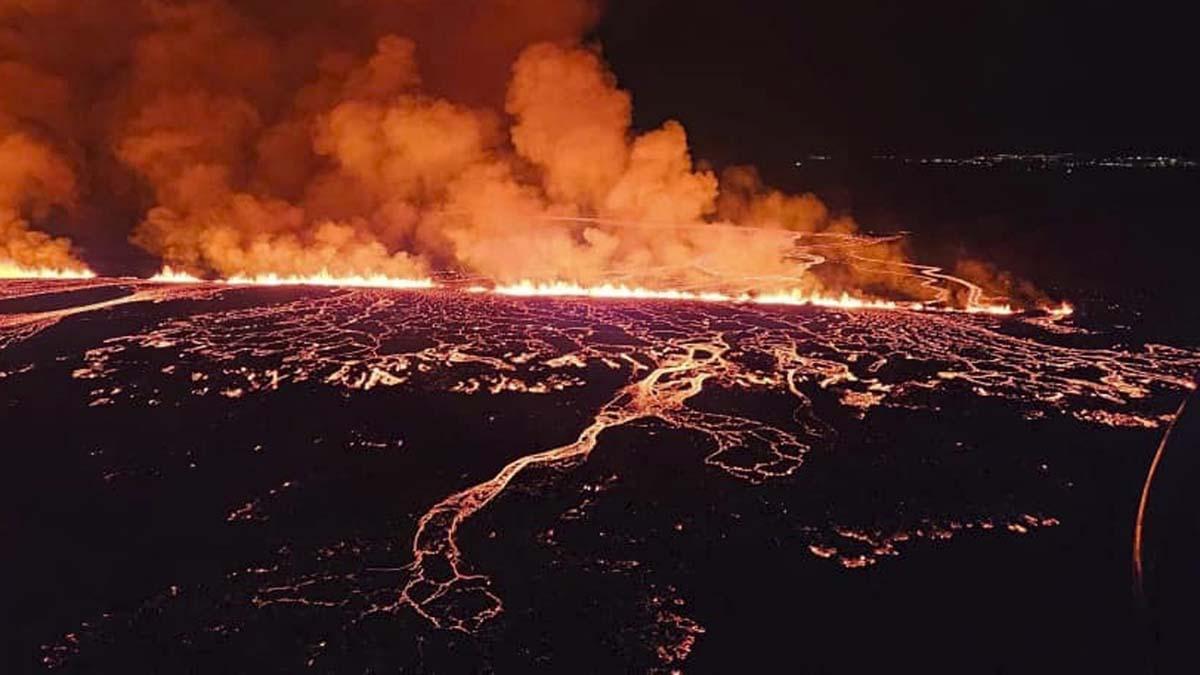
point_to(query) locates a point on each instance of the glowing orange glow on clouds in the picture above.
(374, 164)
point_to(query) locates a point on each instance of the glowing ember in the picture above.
(10, 270)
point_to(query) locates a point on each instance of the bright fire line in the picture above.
(797, 297)
(168, 275)
(528, 288)
(13, 271)
(793, 297)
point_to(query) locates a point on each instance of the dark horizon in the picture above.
(863, 77)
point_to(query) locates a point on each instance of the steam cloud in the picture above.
(363, 137)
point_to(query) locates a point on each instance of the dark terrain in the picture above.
(209, 479)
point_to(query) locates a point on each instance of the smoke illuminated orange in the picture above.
(372, 179)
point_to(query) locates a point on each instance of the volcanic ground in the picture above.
(204, 478)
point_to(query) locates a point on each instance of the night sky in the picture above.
(759, 81)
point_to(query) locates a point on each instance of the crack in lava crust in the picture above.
(450, 598)
(667, 357)
(22, 326)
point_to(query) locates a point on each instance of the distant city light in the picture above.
(1049, 161)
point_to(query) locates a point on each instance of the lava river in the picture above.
(759, 389)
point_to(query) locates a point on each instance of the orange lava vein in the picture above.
(17, 327)
(435, 546)
(438, 580)
(844, 353)
(1139, 525)
(435, 543)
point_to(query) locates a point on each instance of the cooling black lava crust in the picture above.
(216, 479)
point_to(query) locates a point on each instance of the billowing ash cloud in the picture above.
(364, 137)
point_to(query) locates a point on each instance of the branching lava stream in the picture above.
(648, 363)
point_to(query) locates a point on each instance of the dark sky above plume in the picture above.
(758, 79)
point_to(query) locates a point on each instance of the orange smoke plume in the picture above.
(382, 139)
(33, 180)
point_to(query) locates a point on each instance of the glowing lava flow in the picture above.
(529, 288)
(10, 270)
(168, 275)
(695, 369)
(565, 289)
(324, 278)
(16, 328)
(439, 588)
(792, 297)
(617, 291)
